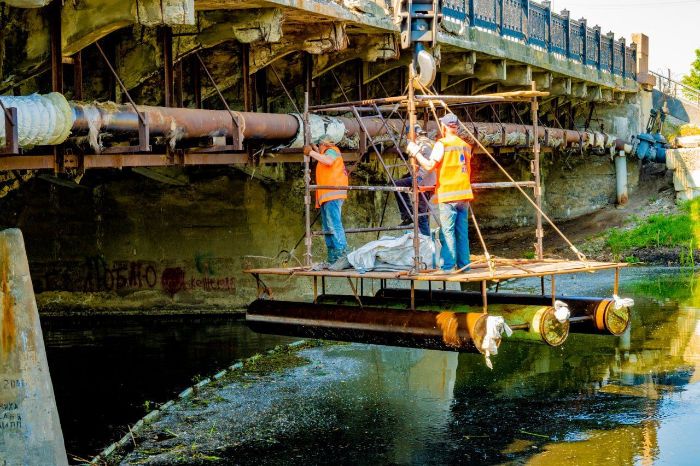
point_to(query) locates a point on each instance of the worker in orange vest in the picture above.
(330, 171)
(451, 157)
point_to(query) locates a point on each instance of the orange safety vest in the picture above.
(454, 171)
(333, 175)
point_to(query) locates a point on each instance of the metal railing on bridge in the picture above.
(677, 90)
(537, 25)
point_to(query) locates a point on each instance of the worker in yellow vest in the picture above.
(330, 171)
(451, 157)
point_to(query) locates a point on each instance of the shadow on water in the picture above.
(596, 400)
(108, 372)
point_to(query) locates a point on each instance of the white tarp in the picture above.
(390, 253)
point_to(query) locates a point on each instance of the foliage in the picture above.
(659, 230)
(693, 78)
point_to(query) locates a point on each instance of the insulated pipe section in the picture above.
(411, 329)
(588, 315)
(27, 3)
(535, 322)
(42, 120)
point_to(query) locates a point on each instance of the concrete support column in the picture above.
(30, 431)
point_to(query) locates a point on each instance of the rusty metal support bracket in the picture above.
(144, 131)
(11, 137)
(237, 136)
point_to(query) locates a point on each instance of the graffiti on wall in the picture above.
(96, 274)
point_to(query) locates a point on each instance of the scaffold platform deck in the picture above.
(510, 269)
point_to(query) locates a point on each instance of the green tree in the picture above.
(693, 78)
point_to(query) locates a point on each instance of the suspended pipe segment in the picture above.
(412, 329)
(184, 123)
(588, 315)
(534, 321)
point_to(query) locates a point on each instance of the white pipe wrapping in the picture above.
(42, 119)
(322, 127)
(27, 3)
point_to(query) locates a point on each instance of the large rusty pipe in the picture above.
(186, 123)
(183, 122)
(412, 329)
(588, 315)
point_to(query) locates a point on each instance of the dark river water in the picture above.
(595, 400)
(108, 373)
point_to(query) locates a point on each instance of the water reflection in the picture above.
(596, 400)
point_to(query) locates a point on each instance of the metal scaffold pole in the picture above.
(536, 170)
(308, 260)
(414, 177)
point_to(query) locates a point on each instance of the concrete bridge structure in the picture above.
(481, 45)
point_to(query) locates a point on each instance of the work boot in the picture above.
(341, 264)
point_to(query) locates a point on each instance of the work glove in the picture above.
(307, 149)
(412, 149)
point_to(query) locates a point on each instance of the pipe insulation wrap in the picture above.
(27, 3)
(41, 119)
(322, 128)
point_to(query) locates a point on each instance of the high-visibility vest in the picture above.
(454, 171)
(333, 175)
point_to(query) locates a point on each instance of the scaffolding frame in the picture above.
(483, 271)
(410, 103)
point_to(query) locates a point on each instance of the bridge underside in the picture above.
(472, 59)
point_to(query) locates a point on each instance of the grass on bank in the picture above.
(680, 230)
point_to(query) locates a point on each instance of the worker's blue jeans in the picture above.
(331, 219)
(454, 234)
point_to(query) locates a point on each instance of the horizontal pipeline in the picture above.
(187, 123)
(411, 329)
(588, 315)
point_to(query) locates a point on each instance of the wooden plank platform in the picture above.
(479, 272)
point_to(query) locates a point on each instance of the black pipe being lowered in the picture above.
(412, 329)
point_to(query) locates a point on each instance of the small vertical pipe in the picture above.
(484, 297)
(323, 284)
(315, 289)
(307, 182)
(616, 285)
(245, 76)
(538, 186)
(554, 289)
(78, 76)
(542, 285)
(413, 295)
(621, 178)
(179, 85)
(196, 83)
(308, 73)
(168, 71)
(261, 88)
(55, 10)
(360, 80)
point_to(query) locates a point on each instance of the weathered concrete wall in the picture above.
(137, 243)
(30, 431)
